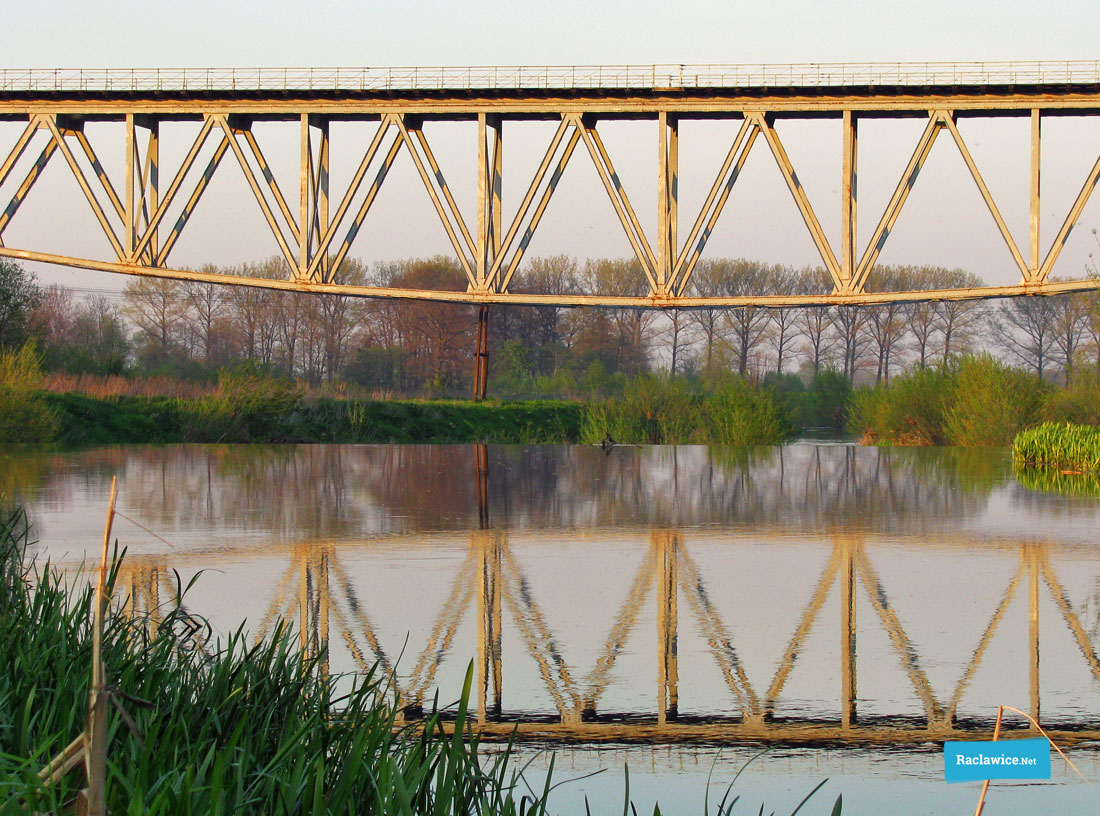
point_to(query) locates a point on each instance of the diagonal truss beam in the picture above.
(1070, 222)
(464, 251)
(223, 122)
(81, 179)
(897, 201)
(985, 640)
(712, 208)
(800, 197)
(101, 174)
(28, 182)
(597, 681)
(161, 208)
(493, 272)
(329, 232)
(805, 625)
(619, 199)
(948, 120)
(192, 202)
(710, 622)
(910, 660)
(540, 209)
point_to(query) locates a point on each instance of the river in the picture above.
(823, 610)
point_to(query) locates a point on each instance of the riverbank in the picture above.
(84, 420)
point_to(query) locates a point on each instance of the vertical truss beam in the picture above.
(1033, 570)
(800, 198)
(313, 200)
(848, 201)
(489, 179)
(847, 632)
(714, 204)
(1033, 221)
(667, 184)
(668, 548)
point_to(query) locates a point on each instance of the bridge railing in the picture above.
(547, 77)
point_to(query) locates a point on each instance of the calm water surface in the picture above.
(676, 609)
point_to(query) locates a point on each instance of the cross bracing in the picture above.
(143, 211)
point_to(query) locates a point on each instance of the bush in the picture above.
(1078, 404)
(652, 410)
(251, 402)
(992, 402)
(738, 414)
(909, 411)
(24, 414)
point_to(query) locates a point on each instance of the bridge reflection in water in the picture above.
(336, 598)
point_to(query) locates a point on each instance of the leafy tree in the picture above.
(19, 295)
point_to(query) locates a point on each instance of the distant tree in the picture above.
(1025, 329)
(156, 307)
(958, 320)
(1070, 327)
(19, 295)
(886, 323)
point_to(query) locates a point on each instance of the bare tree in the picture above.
(1025, 329)
(1070, 325)
(156, 306)
(886, 323)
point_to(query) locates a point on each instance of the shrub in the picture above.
(909, 411)
(651, 410)
(738, 414)
(992, 402)
(251, 402)
(1078, 404)
(24, 414)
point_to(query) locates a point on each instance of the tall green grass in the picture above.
(662, 410)
(973, 401)
(1061, 445)
(230, 729)
(24, 414)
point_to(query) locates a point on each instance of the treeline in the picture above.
(189, 331)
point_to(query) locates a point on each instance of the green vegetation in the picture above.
(229, 728)
(663, 410)
(1061, 445)
(975, 400)
(25, 415)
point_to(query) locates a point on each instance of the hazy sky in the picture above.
(944, 222)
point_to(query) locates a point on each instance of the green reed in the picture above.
(230, 728)
(1061, 445)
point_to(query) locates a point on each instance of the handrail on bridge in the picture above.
(553, 77)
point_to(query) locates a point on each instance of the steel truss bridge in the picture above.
(322, 599)
(142, 218)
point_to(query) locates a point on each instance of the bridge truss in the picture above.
(143, 219)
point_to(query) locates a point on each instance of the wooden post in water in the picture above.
(95, 731)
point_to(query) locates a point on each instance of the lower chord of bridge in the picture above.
(143, 220)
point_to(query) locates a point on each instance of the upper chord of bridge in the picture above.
(586, 77)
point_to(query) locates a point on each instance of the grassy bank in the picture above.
(228, 728)
(86, 420)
